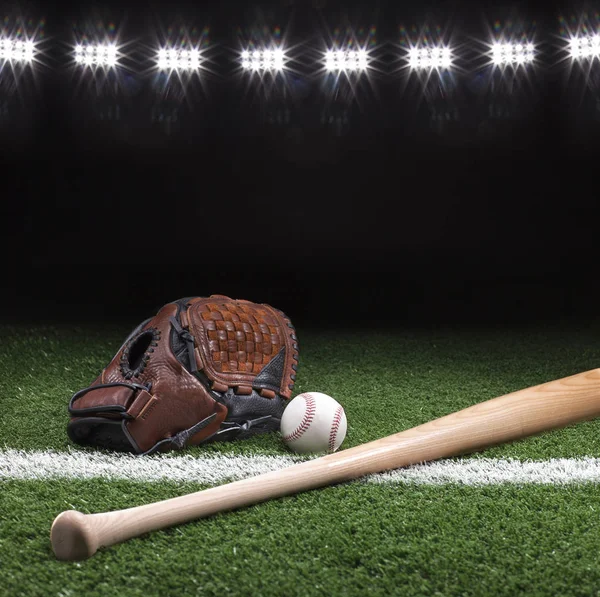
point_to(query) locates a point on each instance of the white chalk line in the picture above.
(218, 468)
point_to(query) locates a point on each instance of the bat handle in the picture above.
(72, 536)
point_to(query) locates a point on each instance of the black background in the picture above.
(388, 224)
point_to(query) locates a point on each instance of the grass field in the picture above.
(494, 528)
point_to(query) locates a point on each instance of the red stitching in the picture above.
(335, 425)
(307, 419)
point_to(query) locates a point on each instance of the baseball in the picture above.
(313, 422)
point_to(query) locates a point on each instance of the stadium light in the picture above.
(105, 55)
(515, 54)
(263, 60)
(14, 50)
(180, 60)
(346, 60)
(585, 47)
(436, 57)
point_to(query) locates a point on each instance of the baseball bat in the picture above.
(76, 536)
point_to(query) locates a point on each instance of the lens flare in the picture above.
(269, 59)
(428, 58)
(17, 50)
(104, 55)
(185, 59)
(346, 60)
(585, 47)
(512, 53)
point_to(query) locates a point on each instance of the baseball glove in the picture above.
(202, 369)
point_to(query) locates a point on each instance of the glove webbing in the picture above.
(227, 428)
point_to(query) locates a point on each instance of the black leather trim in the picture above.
(101, 432)
(176, 342)
(272, 373)
(151, 339)
(243, 408)
(134, 332)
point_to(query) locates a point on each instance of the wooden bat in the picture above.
(76, 536)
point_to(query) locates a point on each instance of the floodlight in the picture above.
(585, 47)
(436, 57)
(512, 53)
(16, 50)
(346, 60)
(96, 55)
(182, 59)
(263, 60)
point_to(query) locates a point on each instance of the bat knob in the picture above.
(71, 536)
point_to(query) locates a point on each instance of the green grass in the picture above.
(348, 540)
(355, 539)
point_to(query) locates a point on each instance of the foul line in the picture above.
(218, 468)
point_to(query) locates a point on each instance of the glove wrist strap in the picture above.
(121, 409)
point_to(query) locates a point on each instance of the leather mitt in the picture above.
(202, 369)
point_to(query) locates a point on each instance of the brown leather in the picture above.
(178, 399)
(233, 342)
(239, 338)
(140, 405)
(106, 396)
(181, 399)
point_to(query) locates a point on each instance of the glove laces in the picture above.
(189, 342)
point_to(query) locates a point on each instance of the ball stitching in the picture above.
(337, 419)
(307, 419)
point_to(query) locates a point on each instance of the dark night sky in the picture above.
(389, 222)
